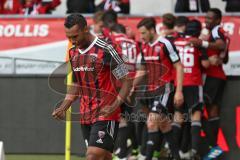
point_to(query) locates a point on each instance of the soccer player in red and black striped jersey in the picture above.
(159, 57)
(129, 51)
(95, 66)
(192, 59)
(217, 47)
(110, 18)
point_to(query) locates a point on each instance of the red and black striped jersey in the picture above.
(159, 58)
(95, 71)
(129, 51)
(217, 71)
(191, 59)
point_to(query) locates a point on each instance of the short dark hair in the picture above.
(169, 20)
(109, 16)
(74, 19)
(181, 21)
(149, 23)
(217, 12)
(119, 28)
(98, 16)
(194, 28)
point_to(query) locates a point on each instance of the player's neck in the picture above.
(88, 41)
(155, 37)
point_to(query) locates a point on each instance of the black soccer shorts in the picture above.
(213, 90)
(193, 99)
(101, 134)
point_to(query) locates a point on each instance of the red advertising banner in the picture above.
(21, 33)
(17, 33)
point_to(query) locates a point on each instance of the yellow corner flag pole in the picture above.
(68, 126)
(68, 119)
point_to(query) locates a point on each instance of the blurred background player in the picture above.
(180, 24)
(97, 26)
(110, 18)
(168, 21)
(192, 59)
(217, 47)
(129, 51)
(99, 112)
(159, 52)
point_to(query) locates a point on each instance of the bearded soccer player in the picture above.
(192, 59)
(160, 54)
(217, 47)
(94, 63)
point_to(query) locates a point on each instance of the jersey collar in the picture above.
(153, 43)
(89, 47)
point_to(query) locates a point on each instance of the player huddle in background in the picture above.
(174, 77)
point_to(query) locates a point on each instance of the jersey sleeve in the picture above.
(170, 50)
(116, 63)
(69, 59)
(218, 33)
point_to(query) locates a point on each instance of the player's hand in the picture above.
(131, 97)
(108, 110)
(214, 60)
(59, 113)
(178, 99)
(195, 42)
(131, 92)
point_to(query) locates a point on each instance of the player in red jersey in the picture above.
(180, 27)
(110, 18)
(97, 26)
(94, 64)
(180, 24)
(167, 29)
(159, 57)
(217, 47)
(192, 59)
(128, 49)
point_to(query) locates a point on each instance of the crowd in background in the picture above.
(34, 7)
(28, 7)
(203, 5)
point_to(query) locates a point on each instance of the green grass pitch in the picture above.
(40, 157)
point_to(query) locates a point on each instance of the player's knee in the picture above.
(92, 156)
(151, 125)
(165, 126)
(214, 112)
(178, 118)
(108, 156)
